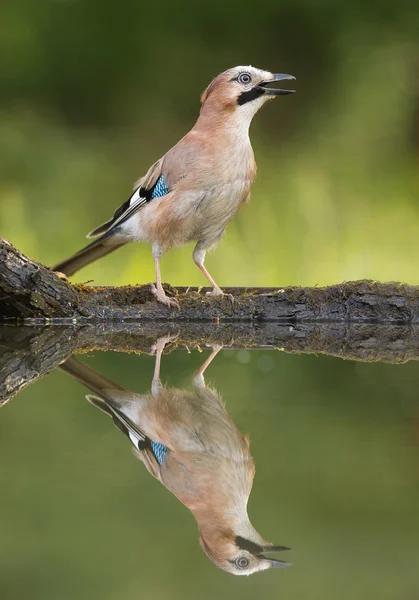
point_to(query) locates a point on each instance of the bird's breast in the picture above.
(220, 203)
(225, 183)
(206, 198)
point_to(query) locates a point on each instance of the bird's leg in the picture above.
(215, 350)
(199, 258)
(158, 349)
(156, 385)
(198, 378)
(157, 289)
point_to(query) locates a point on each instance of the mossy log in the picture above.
(30, 352)
(29, 290)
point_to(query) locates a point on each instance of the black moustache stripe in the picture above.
(251, 547)
(252, 94)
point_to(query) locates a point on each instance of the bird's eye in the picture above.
(242, 562)
(244, 78)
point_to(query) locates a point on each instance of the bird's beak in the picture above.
(276, 91)
(258, 549)
(278, 564)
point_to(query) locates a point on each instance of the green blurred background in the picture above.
(93, 92)
(335, 445)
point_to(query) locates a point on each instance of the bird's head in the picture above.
(244, 89)
(243, 555)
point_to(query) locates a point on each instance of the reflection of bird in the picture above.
(194, 190)
(190, 444)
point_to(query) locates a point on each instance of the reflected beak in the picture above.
(276, 91)
(276, 564)
(257, 549)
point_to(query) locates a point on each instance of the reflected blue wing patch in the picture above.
(159, 451)
(160, 189)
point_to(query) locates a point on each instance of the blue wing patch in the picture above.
(159, 451)
(160, 189)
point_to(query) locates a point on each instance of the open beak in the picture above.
(278, 564)
(276, 91)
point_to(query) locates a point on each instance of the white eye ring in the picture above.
(242, 562)
(244, 78)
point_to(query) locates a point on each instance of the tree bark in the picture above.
(28, 290)
(30, 352)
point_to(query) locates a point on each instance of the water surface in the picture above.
(335, 444)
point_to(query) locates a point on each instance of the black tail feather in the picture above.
(90, 378)
(87, 255)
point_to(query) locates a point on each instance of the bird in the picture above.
(193, 191)
(189, 443)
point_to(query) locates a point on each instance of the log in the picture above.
(30, 352)
(31, 291)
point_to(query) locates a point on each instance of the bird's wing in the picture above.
(155, 451)
(120, 405)
(159, 180)
(152, 185)
(123, 422)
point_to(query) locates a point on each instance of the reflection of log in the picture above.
(28, 353)
(29, 290)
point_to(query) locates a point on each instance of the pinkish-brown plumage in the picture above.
(206, 460)
(208, 175)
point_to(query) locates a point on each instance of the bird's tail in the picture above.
(110, 397)
(87, 255)
(95, 381)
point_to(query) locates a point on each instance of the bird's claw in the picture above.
(216, 347)
(218, 292)
(160, 296)
(162, 341)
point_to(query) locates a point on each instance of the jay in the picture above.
(196, 188)
(188, 442)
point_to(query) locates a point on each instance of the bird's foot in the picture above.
(162, 341)
(218, 292)
(216, 347)
(161, 297)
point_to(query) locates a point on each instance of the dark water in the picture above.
(336, 448)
